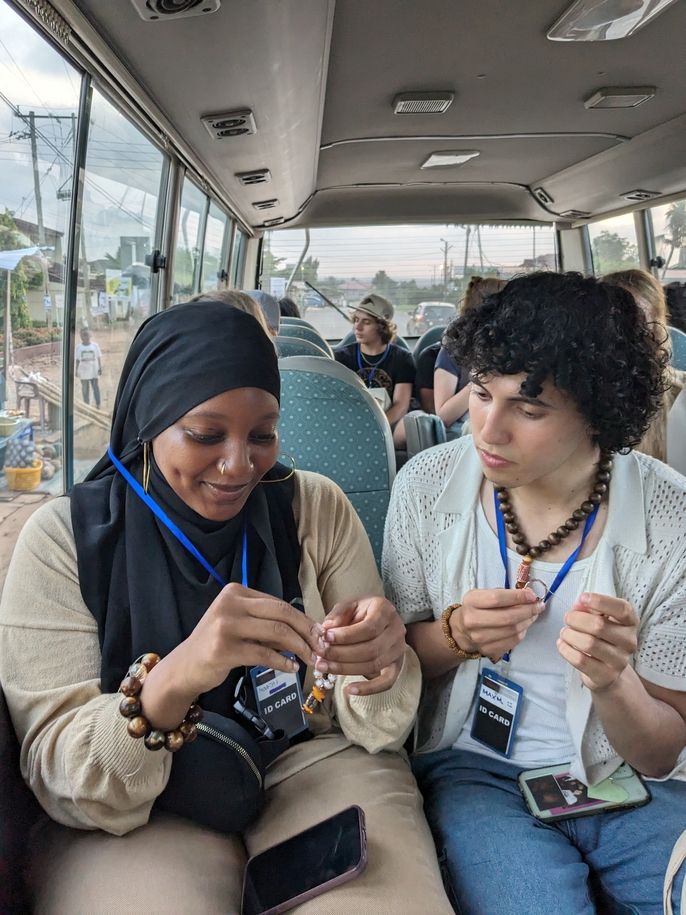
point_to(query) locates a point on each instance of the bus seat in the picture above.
(678, 348)
(331, 424)
(350, 338)
(423, 430)
(294, 346)
(299, 321)
(18, 811)
(305, 333)
(430, 336)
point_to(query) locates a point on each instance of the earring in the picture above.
(222, 468)
(146, 466)
(290, 473)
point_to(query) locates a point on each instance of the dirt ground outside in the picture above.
(90, 438)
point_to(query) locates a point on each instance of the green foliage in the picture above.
(611, 252)
(22, 276)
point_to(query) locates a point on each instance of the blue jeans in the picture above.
(500, 860)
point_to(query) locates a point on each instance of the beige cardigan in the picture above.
(75, 753)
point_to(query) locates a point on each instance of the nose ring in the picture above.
(222, 468)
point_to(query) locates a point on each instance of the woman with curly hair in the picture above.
(650, 297)
(542, 553)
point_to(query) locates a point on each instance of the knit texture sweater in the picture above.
(75, 753)
(429, 561)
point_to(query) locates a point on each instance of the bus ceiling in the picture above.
(329, 113)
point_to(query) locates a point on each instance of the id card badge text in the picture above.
(279, 699)
(498, 704)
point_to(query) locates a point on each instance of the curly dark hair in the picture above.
(589, 337)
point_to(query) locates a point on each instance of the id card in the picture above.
(498, 703)
(279, 699)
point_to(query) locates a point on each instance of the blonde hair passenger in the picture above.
(240, 300)
(650, 297)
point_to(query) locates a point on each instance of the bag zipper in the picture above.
(213, 732)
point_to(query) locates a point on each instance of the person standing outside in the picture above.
(380, 363)
(89, 366)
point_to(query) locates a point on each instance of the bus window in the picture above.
(669, 233)
(189, 242)
(38, 122)
(238, 258)
(123, 177)
(214, 254)
(409, 265)
(613, 244)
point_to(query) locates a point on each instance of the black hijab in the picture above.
(146, 592)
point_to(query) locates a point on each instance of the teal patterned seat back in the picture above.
(305, 333)
(678, 348)
(428, 338)
(301, 321)
(294, 346)
(331, 424)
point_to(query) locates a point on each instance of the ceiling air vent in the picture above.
(258, 176)
(620, 97)
(162, 10)
(273, 222)
(575, 214)
(543, 196)
(231, 124)
(640, 195)
(266, 204)
(422, 102)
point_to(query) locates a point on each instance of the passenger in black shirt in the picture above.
(381, 364)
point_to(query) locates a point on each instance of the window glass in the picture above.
(613, 244)
(188, 242)
(238, 259)
(409, 265)
(122, 186)
(669, 232)
(215, 248)
(38, 122)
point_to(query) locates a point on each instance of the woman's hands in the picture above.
(364, 637)
(493, 620)
(241, 627)
(599, 639)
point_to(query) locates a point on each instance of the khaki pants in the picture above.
(173, 866)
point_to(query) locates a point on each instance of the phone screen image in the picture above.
(554, 793)
(323, 854)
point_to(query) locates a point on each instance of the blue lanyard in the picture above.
(176, 531)
(564, 571)
(360, 364)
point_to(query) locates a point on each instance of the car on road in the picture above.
(430, 314)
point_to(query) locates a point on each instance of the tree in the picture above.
(383, 285)
(23, 275)
(675, 225)
(611, 252)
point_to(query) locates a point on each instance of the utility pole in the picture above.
(481, 253)
(36, 179)
(466, 252)
(445, 247)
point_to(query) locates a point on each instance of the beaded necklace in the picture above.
(528, 552)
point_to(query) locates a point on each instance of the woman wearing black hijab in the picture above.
(104, 577)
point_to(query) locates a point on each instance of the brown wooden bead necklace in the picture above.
(529, 553)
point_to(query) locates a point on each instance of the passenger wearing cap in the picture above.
(387, 370)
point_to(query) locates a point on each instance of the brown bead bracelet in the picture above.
(139, 726)
(452, 644)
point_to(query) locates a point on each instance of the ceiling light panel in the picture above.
(448, 157)
(422, 102)
(165, 10)
(620, 97)
(605, 20)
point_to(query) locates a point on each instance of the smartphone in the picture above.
(309, 863)
(552, 793)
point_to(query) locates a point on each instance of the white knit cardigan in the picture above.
(429, 561)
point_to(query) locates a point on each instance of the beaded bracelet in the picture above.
(139, 726)
(452, 644)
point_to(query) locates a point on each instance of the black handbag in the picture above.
(218, 780)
